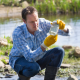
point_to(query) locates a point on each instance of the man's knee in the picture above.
(59, 51)
(32, 71)
(36, 68)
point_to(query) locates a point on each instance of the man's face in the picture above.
(32, 22)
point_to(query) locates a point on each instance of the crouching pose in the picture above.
(28, 55)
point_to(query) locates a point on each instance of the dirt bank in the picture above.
(10, 11)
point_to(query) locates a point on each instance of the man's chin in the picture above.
(36, 29)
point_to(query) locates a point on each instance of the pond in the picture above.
(36, 77)
(7, 25)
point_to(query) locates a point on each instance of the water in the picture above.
(7, 26)
(36, 77)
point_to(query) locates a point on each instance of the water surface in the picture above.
(7, 25)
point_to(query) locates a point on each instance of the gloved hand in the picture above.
(55, 25)
(49, 40)
(61, 24)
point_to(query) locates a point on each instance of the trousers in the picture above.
(53, 57)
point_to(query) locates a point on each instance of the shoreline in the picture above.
(16, 11)
(10, 11)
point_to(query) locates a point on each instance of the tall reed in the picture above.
(50, 6)
(45, 7)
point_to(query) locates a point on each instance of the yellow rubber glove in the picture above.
(61, 24)
(49, 40)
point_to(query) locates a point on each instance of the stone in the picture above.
(67, 47)
(65, 65)
(7, 61)
(72, 77)
(1, 64)
(8, 67)
(25, 4)
(71, 53)
(6, 70)
(2, 6)
(3, 42)
(11, 40)
(3, 57)
(69, 1)
(77, 51)
(6, 53)
(1, 76)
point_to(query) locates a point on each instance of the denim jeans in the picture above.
(53, 57)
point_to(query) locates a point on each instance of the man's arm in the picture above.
(43, 49)
(21, 44)
(66, 30)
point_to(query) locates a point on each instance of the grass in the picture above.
(9, 2)
(50, 7)
(3, 49)
(3, 60)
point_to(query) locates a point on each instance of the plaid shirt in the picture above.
(28, 45)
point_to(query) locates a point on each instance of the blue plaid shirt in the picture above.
(28, 45)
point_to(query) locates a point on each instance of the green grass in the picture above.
(45, 7)
(3, 49)
(9, 2)
(50, 7)
(3, 60)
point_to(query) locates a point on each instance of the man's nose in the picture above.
(35, 23)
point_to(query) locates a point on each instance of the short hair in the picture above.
(28, 10)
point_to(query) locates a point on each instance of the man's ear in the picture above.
(24, 21)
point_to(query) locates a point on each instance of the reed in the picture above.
(64, 6)
(9, 2)
(45, 7)
(50, 7)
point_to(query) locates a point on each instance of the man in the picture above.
(28, 55)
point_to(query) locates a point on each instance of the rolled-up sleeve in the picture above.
(61, 32)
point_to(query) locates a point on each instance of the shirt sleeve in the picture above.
(21, 45)
(45, 24)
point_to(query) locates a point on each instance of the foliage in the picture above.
(3, 60)
(3, 49)
(48, 6)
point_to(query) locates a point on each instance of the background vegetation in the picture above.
(48, 6)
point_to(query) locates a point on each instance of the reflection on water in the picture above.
(7, 26)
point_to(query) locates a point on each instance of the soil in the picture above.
(10, 11)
